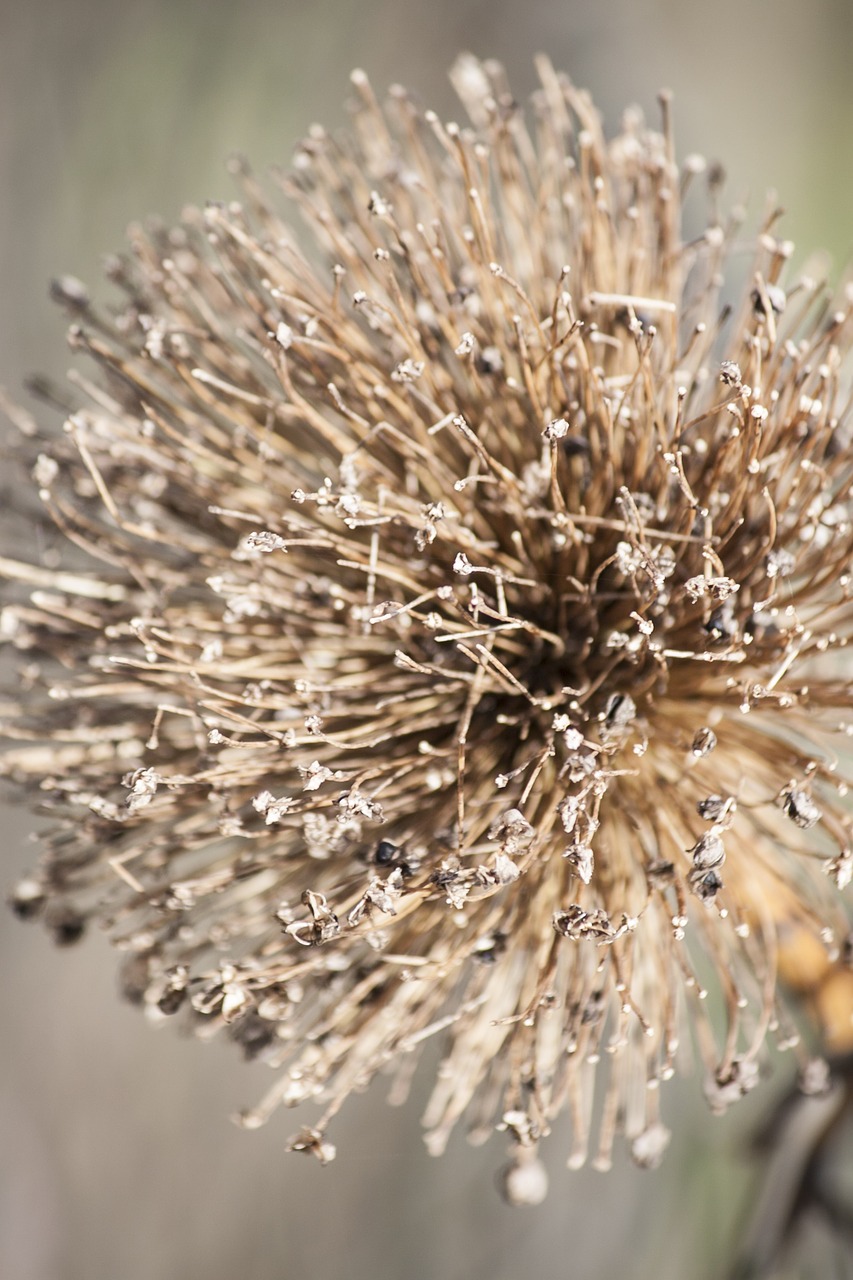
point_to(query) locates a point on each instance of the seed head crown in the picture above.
(456, 646)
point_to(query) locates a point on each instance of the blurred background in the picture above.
(119, 1162)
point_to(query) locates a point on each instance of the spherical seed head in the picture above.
(456, 645)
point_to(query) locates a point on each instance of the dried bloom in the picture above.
(448, 638)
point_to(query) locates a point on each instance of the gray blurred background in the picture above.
(119, 1162)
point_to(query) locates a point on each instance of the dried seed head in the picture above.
(427, 589)
(28, 898)
(704, 740)
(524, 1181)
(649, 1147)
(708, 851)
(800, 807)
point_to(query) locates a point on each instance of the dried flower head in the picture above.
(448, 643)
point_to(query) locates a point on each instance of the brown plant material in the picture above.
(454, 648)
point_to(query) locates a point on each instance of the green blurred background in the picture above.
(118, 1159)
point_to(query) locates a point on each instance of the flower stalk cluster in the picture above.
(450, 637)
